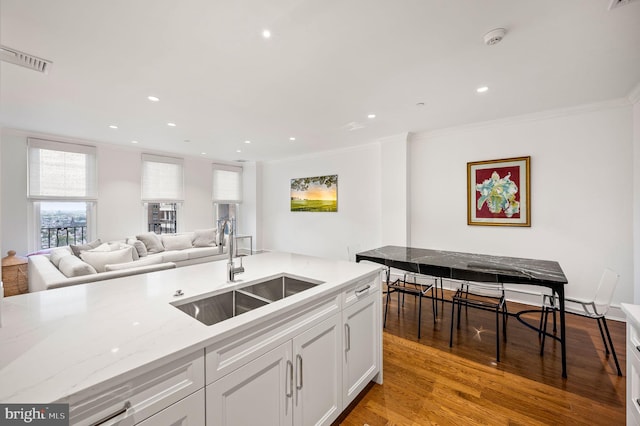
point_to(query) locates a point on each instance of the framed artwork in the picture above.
(498, 192)
(315, 194)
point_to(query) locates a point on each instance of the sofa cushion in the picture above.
(151, 242)
(205, 237)
(174, 256)
(98, 259)
(153, 260)
(77, 249)
(56, 254)
(72, 266)
(200, 252)
(177, 242)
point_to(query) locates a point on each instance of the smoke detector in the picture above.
(494, 36)
(17, 57)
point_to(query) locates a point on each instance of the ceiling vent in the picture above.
(618, 3)
(17, 57)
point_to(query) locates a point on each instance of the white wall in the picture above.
(358, 220)
(395, 191)
(581, 192)
(636, 191)
(119, 209)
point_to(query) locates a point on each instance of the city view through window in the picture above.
(62, 224)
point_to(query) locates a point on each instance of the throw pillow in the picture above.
(205, 237)
(56, 254)
(139, 246)
(98, 259)
(176, 242)
(155, 260)
(151, 242)
(72, 266)
(77, 249)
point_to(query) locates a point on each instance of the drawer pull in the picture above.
(638, 401)
(362, 291)
(123, 410)
(638, 348)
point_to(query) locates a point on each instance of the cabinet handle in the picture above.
(363, 290)
(348, 330)
(638, 348)
(638, 401)
(123, 410)
(289, 393)
(299, 368)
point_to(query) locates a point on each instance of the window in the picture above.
(162, 192)
(227, 194)
(62, 189)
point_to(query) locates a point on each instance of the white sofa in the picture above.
(97, 261)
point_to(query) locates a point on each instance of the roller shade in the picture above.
(227, 184)
(162, 178)
(59, 170)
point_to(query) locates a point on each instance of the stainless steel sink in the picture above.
(279, 288)
(214, 309)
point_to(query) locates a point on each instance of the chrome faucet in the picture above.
(232, 270)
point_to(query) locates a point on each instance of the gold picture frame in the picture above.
(499, 192)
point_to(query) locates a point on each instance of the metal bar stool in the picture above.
(402, 286)
(485, 297)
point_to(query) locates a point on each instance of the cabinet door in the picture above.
(186, 412)
(362, 334)
(318, 372)
(259, 393)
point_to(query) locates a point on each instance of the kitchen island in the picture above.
(120, 348)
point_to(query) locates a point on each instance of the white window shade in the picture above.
(227, 184)
(59, 170)
(162, 178)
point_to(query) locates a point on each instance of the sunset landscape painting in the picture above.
(315, 194)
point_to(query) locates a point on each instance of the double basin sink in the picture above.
(214, 309)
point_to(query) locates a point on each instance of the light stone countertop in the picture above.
(632, 312)
(58, 342)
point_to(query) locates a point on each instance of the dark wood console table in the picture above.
(477, 267)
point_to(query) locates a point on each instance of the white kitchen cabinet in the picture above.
(633, 363)
(186, 412)
(128, 402)
(259, 393)
(318, 372)
(361, 357)
(298, 383)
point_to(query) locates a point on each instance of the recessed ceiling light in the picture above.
(153, 98)
(113, 126)
(371, 116)
(247, 141)
(238, 150)
(203, 153)
(134, 141)
(292, 138)
(266, 34)
(482, 89)
(171, 124)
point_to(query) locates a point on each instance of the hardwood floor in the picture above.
(426, 382)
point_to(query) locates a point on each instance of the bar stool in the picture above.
(595, 308)
(486, 297)
(403, 286)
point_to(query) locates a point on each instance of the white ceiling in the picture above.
(329, 63)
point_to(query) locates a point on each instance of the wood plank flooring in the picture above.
(426, 382)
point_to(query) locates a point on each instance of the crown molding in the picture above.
(524, 118)
(634, 95)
